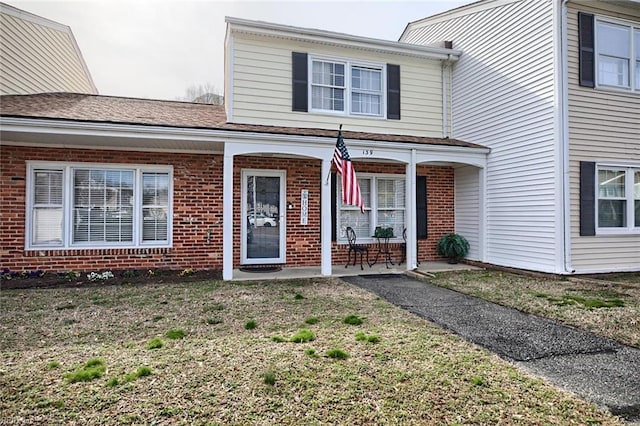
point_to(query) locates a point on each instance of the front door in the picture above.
(263, 227)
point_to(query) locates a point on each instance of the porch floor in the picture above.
(341, 271)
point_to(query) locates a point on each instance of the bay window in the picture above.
(81, 205)
(384, 204)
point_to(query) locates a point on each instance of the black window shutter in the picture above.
(587, 198)
(393, 92)
(586, 51)
(334, 216)
(299, 77)
(421, 207)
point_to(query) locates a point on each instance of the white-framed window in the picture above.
(618, 199)
(348, 87)
(384, 206)
(85, 205)
(618, 54)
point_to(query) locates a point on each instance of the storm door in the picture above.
(263, 226)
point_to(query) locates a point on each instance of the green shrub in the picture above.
(175, 333)
(250, 325)
(353, 320)
(278, 339)
(304, 335)
(311, 352)
(155, 343)
(53, 364)
(298, 296)
(337, 354)
(214, 321)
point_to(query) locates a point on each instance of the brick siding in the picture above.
(197, 211)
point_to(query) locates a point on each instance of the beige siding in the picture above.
(262, 88)
(604, 126)
(37, 57)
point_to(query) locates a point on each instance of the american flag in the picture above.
(344, 166)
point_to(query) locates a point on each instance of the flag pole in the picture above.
(329, 174)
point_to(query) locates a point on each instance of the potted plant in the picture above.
(453, 246)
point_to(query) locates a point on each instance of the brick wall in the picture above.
(197, 209)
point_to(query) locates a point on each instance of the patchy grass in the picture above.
(337, 354)
(175, 334)
(304, 335)
(155, 343)
(353, 320)
(416, 374)
(602, 307)
(250, 325)
(92, 369)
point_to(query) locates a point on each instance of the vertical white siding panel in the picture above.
(503, 98)
(467, 207)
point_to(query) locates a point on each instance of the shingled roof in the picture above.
(119, 110)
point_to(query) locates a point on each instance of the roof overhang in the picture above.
(238, 25)
(132, 137)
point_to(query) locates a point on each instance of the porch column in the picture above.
(227, 217)
(412, 232)
(325, 219)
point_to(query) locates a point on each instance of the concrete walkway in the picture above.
(597, 369)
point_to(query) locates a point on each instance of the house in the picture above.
(98, 182)
(553, 88)
(39, 55)
(481, 120)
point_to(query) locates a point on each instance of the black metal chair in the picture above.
(403, 247)
(356, 249)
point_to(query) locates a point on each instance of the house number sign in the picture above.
(367, 152)
(304, 206)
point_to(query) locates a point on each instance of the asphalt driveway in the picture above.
(598, 369)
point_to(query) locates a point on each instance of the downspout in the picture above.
(445, 75)
(564, 137)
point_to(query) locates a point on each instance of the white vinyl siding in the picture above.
(261, 88)
(467, 208)
(503, 98)
(40, 56)
(384, 205)
(603, 127)
(78, 205)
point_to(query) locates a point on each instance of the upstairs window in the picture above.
(346, 87)
(343, 86)
(609, 53)
(618, 55)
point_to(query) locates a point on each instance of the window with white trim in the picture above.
(618, 54)
(618, 196)
(98, 206)
(347, 87)
(384, 206)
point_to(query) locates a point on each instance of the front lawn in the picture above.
(279, 352)
(604, 307)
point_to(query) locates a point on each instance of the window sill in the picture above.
(602, 232)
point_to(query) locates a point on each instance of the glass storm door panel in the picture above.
(263, 226)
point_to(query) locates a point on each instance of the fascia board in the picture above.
(342, 40)
(30, 125)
